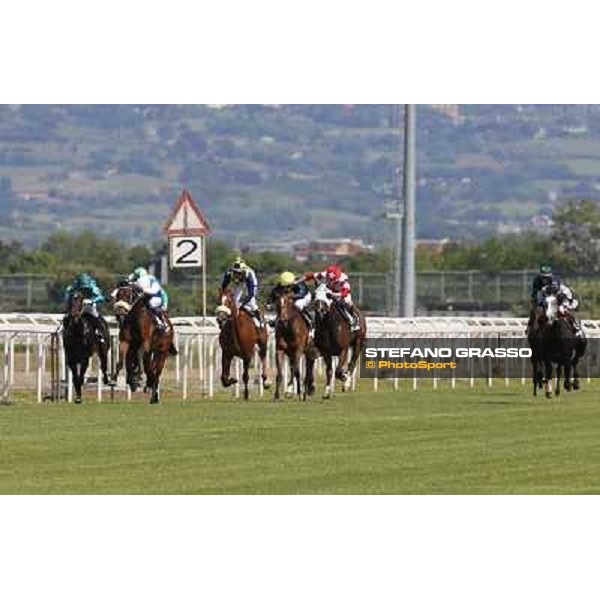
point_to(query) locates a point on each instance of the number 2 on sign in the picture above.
(186, 252)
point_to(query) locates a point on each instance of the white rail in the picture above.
(26, 347)
(376, 326)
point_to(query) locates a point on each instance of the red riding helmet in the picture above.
(333, 273)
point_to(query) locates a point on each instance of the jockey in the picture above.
(156, 298)
(245, 288)
(544, 282)
(88, 286)
(567, 305)
(289, 283)
(338, 284)
(93, 296)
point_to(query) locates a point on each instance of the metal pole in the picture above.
(397, 304)
(204, 280)
(397, 215)
(408, 239)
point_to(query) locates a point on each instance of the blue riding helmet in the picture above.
(83, 280)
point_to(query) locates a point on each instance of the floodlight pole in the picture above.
(407, 284)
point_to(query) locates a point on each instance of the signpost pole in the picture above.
(187, 230)
(202, 358)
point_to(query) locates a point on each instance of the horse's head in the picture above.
(283, 305)
(322, 300)
(227, 309)
(124, 297)
(550, 308)
(77, 304)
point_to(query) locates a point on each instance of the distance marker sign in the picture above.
(185, 251)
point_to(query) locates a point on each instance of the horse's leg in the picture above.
(567, 376)
(73, 367)
(279, 358)
(289, 384)
(246, 377)
(132, 367)
(341, 371)
(575, 372)
(548, 378)
(309, 377)
(103, 356)
(148, 362)
(558, 376)
(356, 348)
(579, 352)
(160, 358)
(262, 353)
(535, 375)
(123, 350)
(83, 366)
(226, 359)
(296, 372)
(328, 373)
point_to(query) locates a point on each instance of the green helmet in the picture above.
(545, 269)
(138, 273)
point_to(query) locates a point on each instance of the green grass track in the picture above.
(460, 441)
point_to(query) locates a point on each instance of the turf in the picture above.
(463, 441)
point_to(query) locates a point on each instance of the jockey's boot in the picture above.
(349, 316)
(308, 318)
(100, 331)
(258, 319)
(159, 321)
(576, 325)
(354, 324)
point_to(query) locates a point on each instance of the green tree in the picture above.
(577, 234)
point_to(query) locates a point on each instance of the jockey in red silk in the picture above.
(338, 284)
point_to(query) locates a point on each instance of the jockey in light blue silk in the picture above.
(156, 297)
(85, 284)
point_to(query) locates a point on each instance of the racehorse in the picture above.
(334, 338)
(552, 340)
(239, 337)
(138, 334)
(81, 343)
(292, 339)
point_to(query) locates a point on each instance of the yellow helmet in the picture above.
(239, 265)
(287, 278)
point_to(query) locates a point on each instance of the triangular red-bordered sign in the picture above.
(186, 218)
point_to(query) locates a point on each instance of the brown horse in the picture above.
(334, 338)
(80, 343)
(239, 337)
(292, 339)
(138, 334)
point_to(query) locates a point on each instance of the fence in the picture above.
(33, 358)
(437, 291)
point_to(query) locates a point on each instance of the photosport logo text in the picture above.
(455, 358)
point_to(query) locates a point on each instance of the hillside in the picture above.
(275, 173)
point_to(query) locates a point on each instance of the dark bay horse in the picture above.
(138, 335)
(553, 341)
(81, 343)
(334, 338)
(239, 337)
(292, 340)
